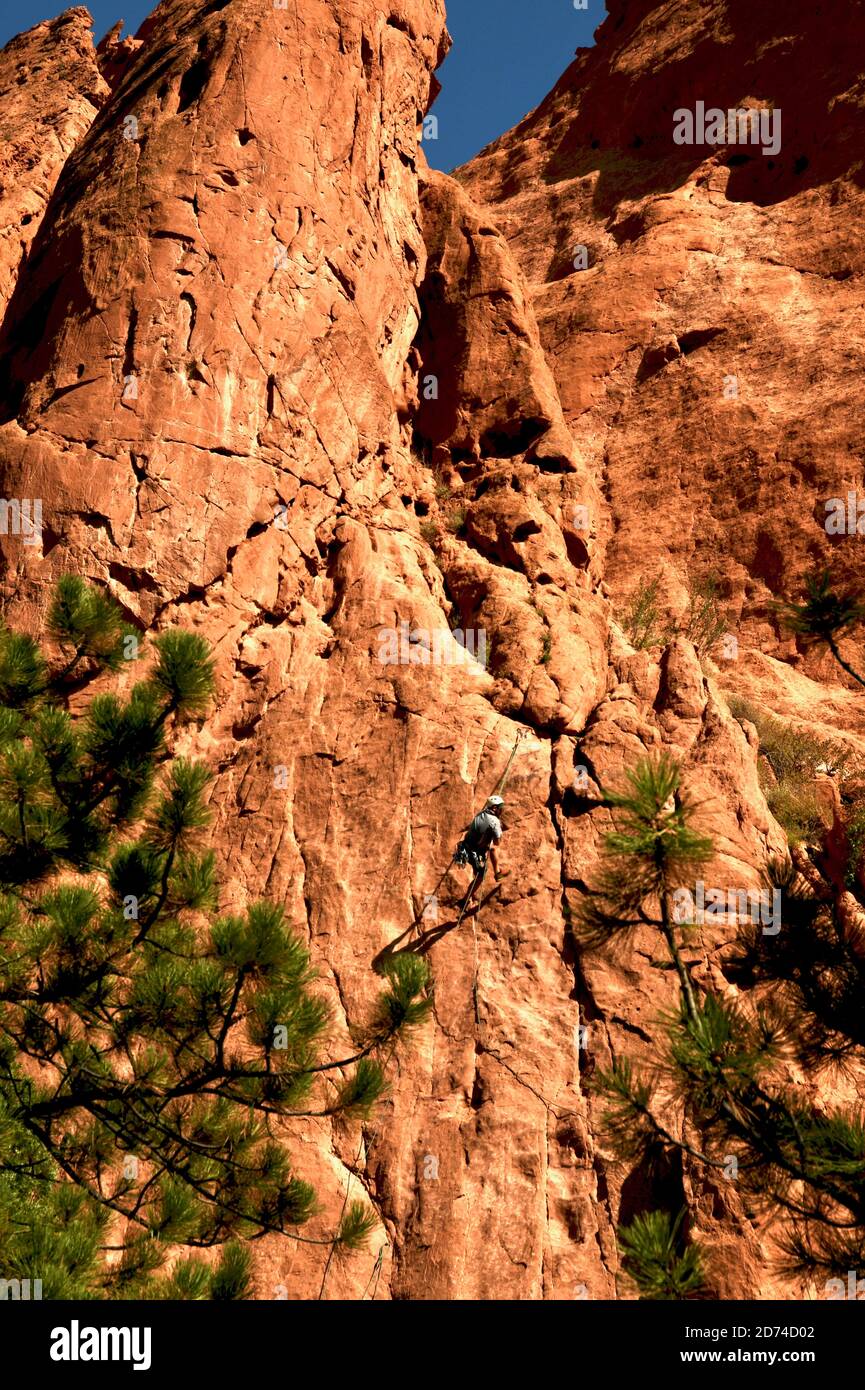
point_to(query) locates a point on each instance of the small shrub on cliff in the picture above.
(856, 838)
(795, 757)
(716, 1087)
(824, 617)
(704, 624)
(641, 621)
(645, 625)
(146, 1042)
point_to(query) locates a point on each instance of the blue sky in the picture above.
(506, 56)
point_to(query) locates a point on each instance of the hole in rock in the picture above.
(133, 580)
(514, 437)
(366, 55)
(653, 1186)
(578, 553)
(50, 538)
(697, 338)
(192, 83)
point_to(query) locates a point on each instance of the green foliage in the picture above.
(719, 1064)
(87, 625)
(628, 1104)
(792, 752)
(183, 675)
(646, 626)
(145, 1046)
(356, 1227)
(22, 671)
(642, 621)
(655, 1259)
(824, 614)
(855, 826)
(651, 851)
(705, 624)
(797, 810)
(824, 617)
(456, 520)
(814, 972)
(407, 1002)
(547, 649)
(795, 757)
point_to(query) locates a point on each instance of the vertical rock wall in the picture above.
(276, 381)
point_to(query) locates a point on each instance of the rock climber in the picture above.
(480, 840)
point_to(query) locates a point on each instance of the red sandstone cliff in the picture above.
(237, 279)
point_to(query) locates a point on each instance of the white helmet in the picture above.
(496, 802)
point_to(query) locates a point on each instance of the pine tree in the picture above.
(717, 1072)
(656, 1259)
(147, 1043)
(824, 617)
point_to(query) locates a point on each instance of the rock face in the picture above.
(50, 91)
(275, 380)
(709, 358)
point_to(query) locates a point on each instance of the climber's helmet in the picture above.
(495, 803)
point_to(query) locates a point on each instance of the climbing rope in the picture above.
(335, 1241)
(521, 734)
(375, 1276)
(475, 975)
